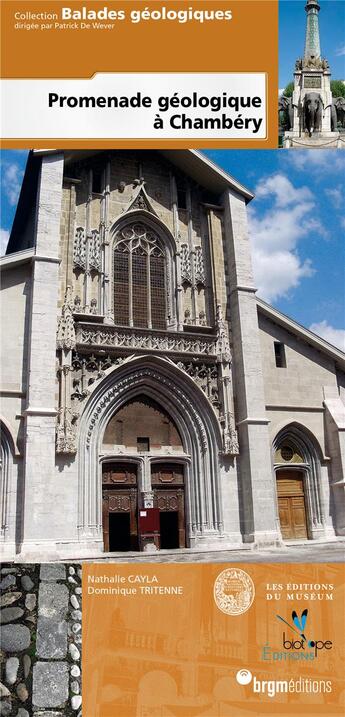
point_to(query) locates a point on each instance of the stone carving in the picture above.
(186, 271)
(229, 433)
(202, 318)
(86, 370)
(205, 376)
(186, 265)
(230, 437)
(187, 317)
(312, 109)
(171, 389)
(142, 201)
(199, 270)
(65, 331)
(79, 249)
(223, 346)
(87, 251)
(285, 104)
(66, 435)
(111, 337)
(138, 238)
(338, 112)
(315, 63)
(93, 306)
(94, 251)
(79, 309)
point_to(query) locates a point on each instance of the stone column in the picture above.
(40, 414)
(255, 465)
(106, 262)
(335, 435)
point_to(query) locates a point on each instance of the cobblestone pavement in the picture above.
(331, 552)
(40, 640)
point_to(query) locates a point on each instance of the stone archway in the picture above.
(300, 502)
(197, 425)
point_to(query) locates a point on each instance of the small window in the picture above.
(97, 180)
(181, 198)
(279, 352)
(143, 445)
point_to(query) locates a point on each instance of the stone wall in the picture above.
(40, 640)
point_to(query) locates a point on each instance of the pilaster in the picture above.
(255, 463)
(40, 413)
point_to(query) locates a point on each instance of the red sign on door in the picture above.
(148, 520)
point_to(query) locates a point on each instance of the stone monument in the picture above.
(311, 111)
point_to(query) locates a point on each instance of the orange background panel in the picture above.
(177, 656)
(247, 43)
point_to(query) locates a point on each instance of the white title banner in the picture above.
(137, 106)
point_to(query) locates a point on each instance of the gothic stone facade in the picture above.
(140, 370)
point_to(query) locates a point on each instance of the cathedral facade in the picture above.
(143, 380)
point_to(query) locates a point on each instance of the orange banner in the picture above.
(38, 43)
(213, 640)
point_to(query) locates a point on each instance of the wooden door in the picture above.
(291, 505)
(119, 496)
(168, 486)
(172, 501)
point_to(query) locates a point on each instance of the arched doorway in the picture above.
(194, 443)
(149, 474)
(298, 485)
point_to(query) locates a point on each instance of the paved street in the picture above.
(331, 552)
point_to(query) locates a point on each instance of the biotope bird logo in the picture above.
(233, 591)
(298, 626)
(299, 622)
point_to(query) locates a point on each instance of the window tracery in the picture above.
(139, 278)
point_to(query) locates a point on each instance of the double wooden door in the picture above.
(120, 505)
(291, 505)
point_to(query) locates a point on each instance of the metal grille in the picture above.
(121, 288)
(157, 292)
(139, 283)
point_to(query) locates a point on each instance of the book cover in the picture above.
(172, 358)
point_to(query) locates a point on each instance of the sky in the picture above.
(292, 24)
(296, 225)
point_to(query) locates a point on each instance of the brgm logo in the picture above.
(244, 677)
(233, 591)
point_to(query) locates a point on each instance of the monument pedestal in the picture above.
(324, 140)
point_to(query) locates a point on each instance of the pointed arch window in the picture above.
(139, 278)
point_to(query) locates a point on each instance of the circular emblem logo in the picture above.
(244, 677)
(233, 591)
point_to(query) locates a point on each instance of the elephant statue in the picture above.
(312, 111)
(285, 105)
(338, 112)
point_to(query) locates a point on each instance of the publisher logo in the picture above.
(233, 591)
(244, 677)
(298, 625)
(294, 685)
